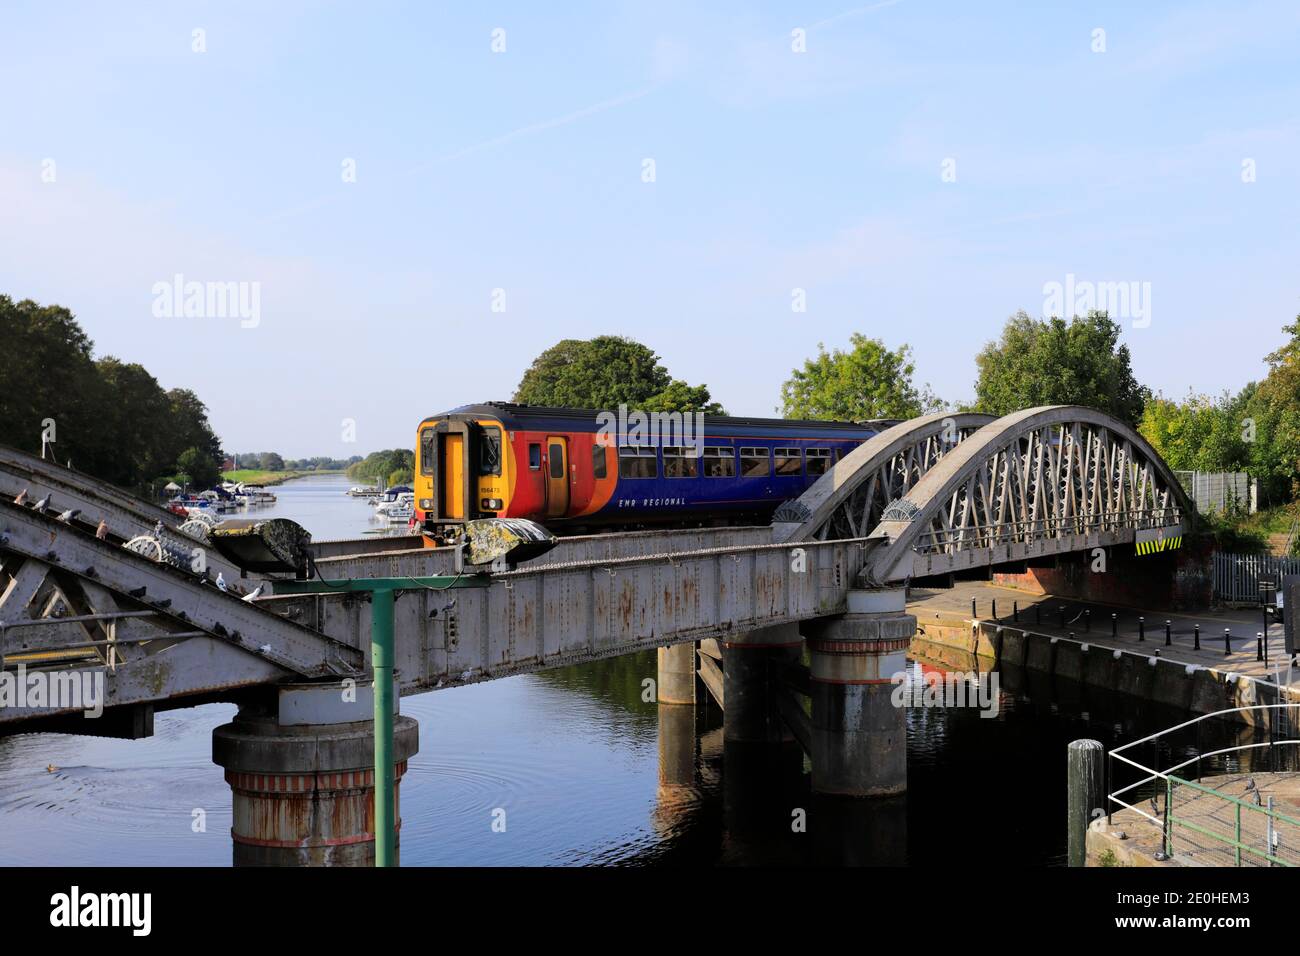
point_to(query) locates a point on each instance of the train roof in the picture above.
(515, 416)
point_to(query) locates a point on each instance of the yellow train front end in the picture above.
(463, 471)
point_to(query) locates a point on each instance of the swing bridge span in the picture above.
(925, 498)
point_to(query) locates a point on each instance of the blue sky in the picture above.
(522, 170)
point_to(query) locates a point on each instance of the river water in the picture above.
(573, 758)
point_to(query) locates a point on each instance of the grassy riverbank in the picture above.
(252, 476)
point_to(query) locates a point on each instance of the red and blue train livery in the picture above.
(564, 468)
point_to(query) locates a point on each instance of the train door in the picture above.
(557, 477)
(453, 476)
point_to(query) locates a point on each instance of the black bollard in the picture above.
(1227, 642)
(1114, 626)
(1259, 646)
(1196, 629)
(1142, 629)
(1168, 636)
(1062, 613)
(1087, 619)
(973, 612)
(1015, 611)
(994, 612)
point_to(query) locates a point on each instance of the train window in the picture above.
(755, 463)
(819, 460)
(681, 462)
(637, 461)
(534, 456)
(427, 442)
(788, 461)
(489, 454)
(719, 462)
(598, 461)
(556, 453)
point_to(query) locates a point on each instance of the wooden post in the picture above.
(1085, 778)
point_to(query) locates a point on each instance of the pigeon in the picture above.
(221, 582)
(22, 497)
(158, 529)
(68, 515)
(43, 503)
(254, 594)
(1250, 784)
(102, 531)
(138, 592)
(264, 649)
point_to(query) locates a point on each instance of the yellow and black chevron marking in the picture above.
(1159, 544)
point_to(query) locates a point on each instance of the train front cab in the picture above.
(463, 470)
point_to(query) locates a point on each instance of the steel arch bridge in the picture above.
(941, 493)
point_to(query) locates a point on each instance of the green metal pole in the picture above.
(381, 663)
(1238, 838)
(1169, 816)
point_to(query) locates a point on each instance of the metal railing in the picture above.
(1236, 576)
(1045, 528)
(1222, 822)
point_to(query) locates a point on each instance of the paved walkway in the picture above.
(1044, 614)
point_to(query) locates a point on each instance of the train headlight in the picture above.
(426, 504)
(491, 504)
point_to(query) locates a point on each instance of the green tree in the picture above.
(867, 381)
(202, 470)
(49, 375)
(606, 372)
(189, 427)
(680, 397)
(1272, 413)
(1196, 434)
(1054, 362)
(111, 418)
(138, 416)
(382, 464)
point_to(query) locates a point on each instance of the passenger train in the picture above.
(568, 469)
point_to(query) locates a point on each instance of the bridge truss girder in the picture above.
(1042, 481)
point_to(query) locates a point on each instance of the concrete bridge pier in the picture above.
(859, 738)
(300, 761)
(751, 673)
(676, 678)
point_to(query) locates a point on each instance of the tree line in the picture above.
(1051, 361)
(103, 416)
(396, 466)
(1255, 430)
(272, 461)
